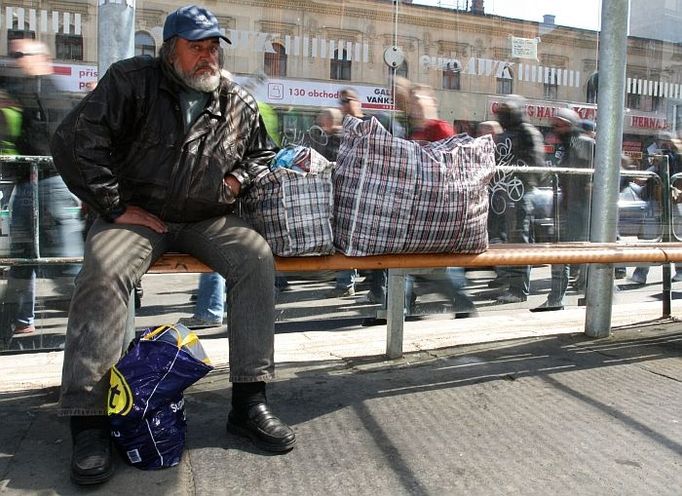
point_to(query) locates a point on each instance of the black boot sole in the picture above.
(91, 480)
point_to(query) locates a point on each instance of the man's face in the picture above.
(32, 57)
(350, 105)
(197, 63)
(560, 126)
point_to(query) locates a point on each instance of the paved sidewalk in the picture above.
(559, 414)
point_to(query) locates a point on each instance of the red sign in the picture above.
(642, 122)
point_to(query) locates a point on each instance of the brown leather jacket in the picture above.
(125, 144)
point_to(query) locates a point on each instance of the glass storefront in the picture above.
(480, 60)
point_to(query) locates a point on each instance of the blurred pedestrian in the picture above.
(330, 121)
(520, 145)
(425, 125)
(39, 107)
(575, 149)
(349, 104)
(493, 128)
(666, 148)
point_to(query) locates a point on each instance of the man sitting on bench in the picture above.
(161, 149)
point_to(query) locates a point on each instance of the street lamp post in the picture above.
(115, 32)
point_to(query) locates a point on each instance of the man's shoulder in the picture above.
(139, 64)
(230, 87)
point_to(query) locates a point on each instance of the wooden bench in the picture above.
(400, 265)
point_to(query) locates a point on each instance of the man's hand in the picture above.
(140, 217)
(233, 184)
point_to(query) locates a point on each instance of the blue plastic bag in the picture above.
(293, 157)
(145, 402)
(155, 441)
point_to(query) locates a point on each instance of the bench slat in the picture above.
(496, 255)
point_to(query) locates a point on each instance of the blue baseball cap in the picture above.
(192, 23)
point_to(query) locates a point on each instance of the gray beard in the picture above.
(206, 83)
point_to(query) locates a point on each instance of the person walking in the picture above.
(576, 150)
(520, 144)
(668, 149)
(161, 149)
(37, 109)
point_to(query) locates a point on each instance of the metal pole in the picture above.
(116, 41)
(395, 316)
(115, 32)
(610, 101)
(666, 220)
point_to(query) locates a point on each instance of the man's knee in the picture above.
(257, 252)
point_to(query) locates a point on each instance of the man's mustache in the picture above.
(206, 65)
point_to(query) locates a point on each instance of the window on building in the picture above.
(551, 86)
(655, 103)
(144, 44)
(275, 63)
(402, 70)
(592, 88)
(650, 103)
(633, 101)
(19, 32)
(504, 83)
(68, 46)
(451, 77)
(340, 69)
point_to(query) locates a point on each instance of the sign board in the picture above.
(524, 48)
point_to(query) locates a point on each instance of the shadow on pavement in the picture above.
(528, 416)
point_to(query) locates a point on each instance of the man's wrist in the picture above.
(232, 196)
(115, 213)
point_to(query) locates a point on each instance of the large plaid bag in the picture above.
(292, 209)
(397, 196)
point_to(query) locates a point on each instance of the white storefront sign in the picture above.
(524, 48)
(298, 92)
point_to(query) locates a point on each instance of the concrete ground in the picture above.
(507, 403)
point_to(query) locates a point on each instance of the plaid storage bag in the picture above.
(145, 402)
(291, 207)
(397, 196)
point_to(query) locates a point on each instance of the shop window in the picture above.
(68, 46)
(592, 88)
(145, 44)
(275, 64)
(451, 77)
(340, 70)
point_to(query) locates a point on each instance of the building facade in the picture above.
(307, 50)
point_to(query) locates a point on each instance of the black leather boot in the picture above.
(91, 460)
(251, 417)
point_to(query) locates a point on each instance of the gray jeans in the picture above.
(116, 256)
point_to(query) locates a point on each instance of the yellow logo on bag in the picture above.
(120, 400)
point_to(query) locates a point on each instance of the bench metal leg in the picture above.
(599, 301)
(395, 316)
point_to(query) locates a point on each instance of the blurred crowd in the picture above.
(31, 106)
